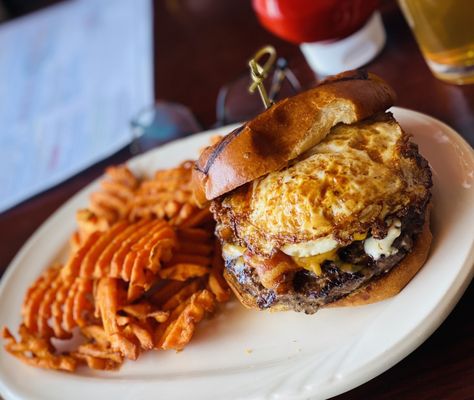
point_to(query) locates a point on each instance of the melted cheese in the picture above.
(310, 248)
(377, 248)
(313, 263)
(231, 251)
(359, 236)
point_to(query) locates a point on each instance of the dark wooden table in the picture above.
(201, 45)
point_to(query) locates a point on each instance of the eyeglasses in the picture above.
(236, 104)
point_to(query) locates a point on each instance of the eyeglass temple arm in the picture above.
(281, 72)
(221, 114)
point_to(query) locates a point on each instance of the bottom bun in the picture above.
(377, 289)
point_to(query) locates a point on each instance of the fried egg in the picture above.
(357, 176)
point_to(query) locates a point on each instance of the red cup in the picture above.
(306, 21)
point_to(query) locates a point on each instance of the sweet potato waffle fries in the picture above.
(143, 270)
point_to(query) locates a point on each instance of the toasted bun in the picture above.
(376, 289)
(286, 130)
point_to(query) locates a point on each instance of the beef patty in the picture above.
(308, 291)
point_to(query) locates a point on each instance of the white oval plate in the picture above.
(243, 354)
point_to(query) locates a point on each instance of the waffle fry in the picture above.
(144, 310)
(195, 235)
(167, 195)
(195, 218)
(54, 306)
(87, 223)
(113, 201)
(182, 295)
(163, 291)
(179, 332)
(183, 272)
(34, 296)
(37, 351)
(133, 252)
(132, 331)
(98, 357)
(143, 271)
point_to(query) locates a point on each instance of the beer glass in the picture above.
(444, 30)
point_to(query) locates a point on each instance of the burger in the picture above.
(321, 200)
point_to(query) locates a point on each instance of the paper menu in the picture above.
(71, 78)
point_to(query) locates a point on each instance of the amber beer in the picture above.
(444, 30)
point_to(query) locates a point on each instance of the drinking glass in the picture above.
(444, 30)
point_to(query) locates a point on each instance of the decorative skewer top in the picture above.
(258, 73)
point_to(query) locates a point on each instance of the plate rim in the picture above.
(425, 328)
